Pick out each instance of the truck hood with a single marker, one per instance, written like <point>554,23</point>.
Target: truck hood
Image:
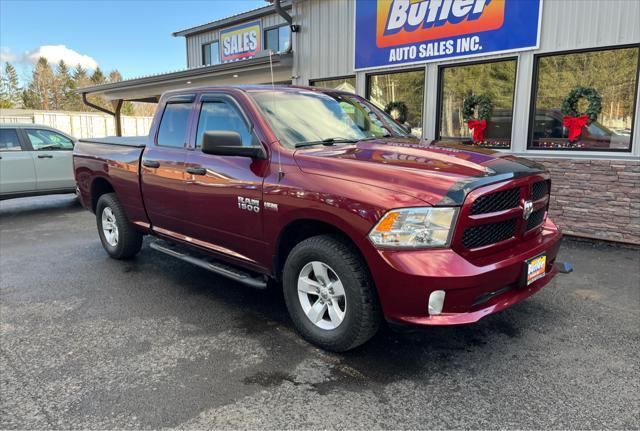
<point>439,173</point>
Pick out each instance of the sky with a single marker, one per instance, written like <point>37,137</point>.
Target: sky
<point>131,36</point>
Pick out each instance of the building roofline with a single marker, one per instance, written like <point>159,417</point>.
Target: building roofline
<point>186,73</point>
<point>224,22</point>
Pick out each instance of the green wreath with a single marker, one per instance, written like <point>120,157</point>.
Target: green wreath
<point>570,103</point>
<point>482,102</point>
<point>400,107</point>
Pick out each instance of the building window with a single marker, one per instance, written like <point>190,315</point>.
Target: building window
<point>406,89</point>
<point>277,39</point>
<point>497,81</point>
<point>343,84</point>
<point>210,53</point>
<point>612,73</point>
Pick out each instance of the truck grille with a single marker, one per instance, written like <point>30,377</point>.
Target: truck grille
<point>539,190</point>
<point>536,218</point>
<point>504,200</point>
<point>497,216</point>
<point>479,236</point>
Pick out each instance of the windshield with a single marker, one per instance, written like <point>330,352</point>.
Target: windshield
<point>310,117</point>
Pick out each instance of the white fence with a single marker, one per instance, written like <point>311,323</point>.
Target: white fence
<point>79,124</point>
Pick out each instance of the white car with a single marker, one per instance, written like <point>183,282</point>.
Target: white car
<point>35,160</point>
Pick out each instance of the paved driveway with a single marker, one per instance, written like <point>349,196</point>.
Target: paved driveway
<point>90,342</point>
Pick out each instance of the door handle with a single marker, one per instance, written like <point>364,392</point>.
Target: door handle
<point>45,156</point>
<point>151,163</point>
<point>197,171</point>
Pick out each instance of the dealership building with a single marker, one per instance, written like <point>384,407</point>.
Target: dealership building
<point>551,80</point>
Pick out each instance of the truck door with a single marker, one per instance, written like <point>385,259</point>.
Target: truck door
<point>225,192</point>
<point>163,164</point>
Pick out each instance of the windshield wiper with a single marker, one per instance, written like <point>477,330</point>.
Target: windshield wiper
<point>327,141</point>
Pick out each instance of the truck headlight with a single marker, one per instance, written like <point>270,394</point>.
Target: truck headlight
<point>414,228</point>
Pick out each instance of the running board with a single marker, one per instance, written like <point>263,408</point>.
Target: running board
<point>258,282</point>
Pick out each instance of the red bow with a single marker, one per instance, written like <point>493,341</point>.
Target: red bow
<point>478,127</point>
<point>575,125</point>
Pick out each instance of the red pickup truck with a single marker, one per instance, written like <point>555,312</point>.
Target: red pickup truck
<point>322,192</point>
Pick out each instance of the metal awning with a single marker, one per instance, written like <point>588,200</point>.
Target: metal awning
<point>246,72</point>
<point>255,70</point>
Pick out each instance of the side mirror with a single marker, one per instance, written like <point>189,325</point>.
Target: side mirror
<point>227,143</point>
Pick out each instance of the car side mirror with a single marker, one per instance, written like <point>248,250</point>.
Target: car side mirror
<point>228,143</point>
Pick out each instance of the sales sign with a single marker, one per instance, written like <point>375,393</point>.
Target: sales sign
<point>394,32</point>
<point>240,42</point>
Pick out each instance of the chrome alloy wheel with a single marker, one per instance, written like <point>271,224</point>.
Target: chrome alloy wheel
<point>321,295</point>
<point>109,227</point>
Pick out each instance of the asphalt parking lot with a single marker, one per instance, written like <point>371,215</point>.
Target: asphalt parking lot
<point>90,342</point>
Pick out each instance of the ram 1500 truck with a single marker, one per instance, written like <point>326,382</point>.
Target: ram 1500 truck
<point>323,193</point>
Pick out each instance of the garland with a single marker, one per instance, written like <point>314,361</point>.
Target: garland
<point>575,120</point>
<point>400,107</point>
<point>484,108</point>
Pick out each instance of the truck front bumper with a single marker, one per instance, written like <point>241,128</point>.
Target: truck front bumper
<point>405,280</point>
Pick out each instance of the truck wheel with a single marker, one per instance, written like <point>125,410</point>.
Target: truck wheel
<point>330,295</point>
<point>119,238</point>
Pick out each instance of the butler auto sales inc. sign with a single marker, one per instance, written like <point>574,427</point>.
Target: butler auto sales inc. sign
<point>394,32</point>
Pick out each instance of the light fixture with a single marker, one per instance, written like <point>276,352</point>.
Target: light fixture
<point>418,227</point>
<point>235,75</point>
<point>188,82</point>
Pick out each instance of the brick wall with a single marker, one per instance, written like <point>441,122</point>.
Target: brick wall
<point>596,198</point>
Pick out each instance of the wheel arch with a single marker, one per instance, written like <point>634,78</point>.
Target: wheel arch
<point>99,187</point>
<point>300,229</point>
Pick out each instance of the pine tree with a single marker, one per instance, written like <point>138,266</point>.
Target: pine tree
<point>9,87</point>
<point>5,101</point>
<point>80,79</point>
<point>13,85</point>
<point>98,77</point>
<point>39,92</point>
<point>65,87</point>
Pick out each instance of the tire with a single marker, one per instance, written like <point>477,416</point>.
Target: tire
<point>126,241</point>
<point>359,305</point>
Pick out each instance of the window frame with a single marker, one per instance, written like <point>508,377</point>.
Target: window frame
<point>204,47</point>
<point>23,144</point>
<point>186,98</point>
<point>423,69</point>
<point>26,131</point>
<point>275,27</point>
<point>313,82</point>
<point>441,67</point>
<point>534,90</point>
<point>208,97</point>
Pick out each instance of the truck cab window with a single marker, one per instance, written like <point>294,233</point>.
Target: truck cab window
<point>173,126</point>
<point>220,115</point>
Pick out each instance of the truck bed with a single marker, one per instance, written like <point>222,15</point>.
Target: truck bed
<point>126,141</point>
<point>114,161</point>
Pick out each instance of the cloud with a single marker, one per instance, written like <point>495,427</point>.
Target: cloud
<point>55,53</point>
<point>6,55</point>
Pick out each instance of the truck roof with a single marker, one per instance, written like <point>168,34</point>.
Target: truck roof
<point>254,88</point>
